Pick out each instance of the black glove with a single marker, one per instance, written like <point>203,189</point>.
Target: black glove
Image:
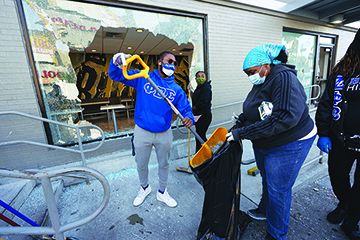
<point>238,120</point>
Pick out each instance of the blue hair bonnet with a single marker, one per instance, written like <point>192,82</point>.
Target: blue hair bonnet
<point>263,54</point>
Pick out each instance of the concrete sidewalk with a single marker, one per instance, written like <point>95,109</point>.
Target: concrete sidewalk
<point>312,200</point>
<point>153,220</point>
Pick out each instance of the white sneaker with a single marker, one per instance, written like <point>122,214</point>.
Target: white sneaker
<point>166,198</point>
<point>141,195</point>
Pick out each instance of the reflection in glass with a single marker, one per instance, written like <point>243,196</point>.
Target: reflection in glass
<point>72,64</point>
<point>301,51</point>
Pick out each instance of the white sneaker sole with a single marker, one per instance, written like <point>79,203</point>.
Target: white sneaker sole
<point>256,217</point>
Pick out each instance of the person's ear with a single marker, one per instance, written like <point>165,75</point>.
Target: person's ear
<point>267,69</point>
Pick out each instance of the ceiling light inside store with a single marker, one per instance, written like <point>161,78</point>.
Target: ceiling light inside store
<point>174,49</point>
<point>114,35</point>
<point>337,19</point>
<point>141,51</point>
<point>94,50</point>
<point>129,47</point>
<point>139,30</point>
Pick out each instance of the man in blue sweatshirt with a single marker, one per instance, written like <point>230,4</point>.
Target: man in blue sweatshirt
<point>153,120</point>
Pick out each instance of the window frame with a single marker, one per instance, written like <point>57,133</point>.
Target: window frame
<point>141,7</point>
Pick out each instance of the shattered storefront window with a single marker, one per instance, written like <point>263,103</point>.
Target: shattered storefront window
<point>301,51</point>
<point>72,44</point>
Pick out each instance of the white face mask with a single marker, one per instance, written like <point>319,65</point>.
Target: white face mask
<point>168,69</point>
<point>256,79</point>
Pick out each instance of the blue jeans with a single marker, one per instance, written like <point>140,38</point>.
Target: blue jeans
<point>280,167</point>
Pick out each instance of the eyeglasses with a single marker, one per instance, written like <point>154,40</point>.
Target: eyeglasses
<point>172,62</point>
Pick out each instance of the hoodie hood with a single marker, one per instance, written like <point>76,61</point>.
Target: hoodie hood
<point>204,85</point>
<point>282,67</point>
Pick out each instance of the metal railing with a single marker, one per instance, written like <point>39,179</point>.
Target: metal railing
<point>311,90</point>
<point>250,161</point>
<point>44,176</point>
<point>81,150</point>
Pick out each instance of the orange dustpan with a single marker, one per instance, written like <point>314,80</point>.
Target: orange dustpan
<point>211,145</point>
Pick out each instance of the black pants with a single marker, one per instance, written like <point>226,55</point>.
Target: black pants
<point>201,127</point>
<point>340,163</point>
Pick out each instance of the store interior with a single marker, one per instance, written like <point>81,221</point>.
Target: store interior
<point>101,98</point>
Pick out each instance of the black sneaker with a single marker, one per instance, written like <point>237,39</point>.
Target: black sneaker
<point>269,237</point>
<point>354,235</point>
<point>257,214</point>
<point>351,229</point>
<point>337,216</point>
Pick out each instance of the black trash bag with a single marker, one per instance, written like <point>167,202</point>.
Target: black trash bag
<point>220,177</point>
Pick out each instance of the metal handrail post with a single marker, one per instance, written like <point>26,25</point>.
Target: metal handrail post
<point>78,134</point>
<point>322,154</point>
<point>51,203</point>
<point>311,87</point>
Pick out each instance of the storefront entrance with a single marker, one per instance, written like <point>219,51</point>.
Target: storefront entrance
<point>312,55</point>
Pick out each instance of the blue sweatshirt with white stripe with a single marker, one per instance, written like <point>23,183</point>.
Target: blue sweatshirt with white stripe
<point>152,112</point>
<point>290,119</point>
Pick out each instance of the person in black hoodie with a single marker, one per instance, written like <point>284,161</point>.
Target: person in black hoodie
<point>337,119</point>
<point>276,119</point>
<point>201,106</point>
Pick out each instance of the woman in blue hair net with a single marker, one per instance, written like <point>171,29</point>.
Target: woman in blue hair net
<point>276,119</point>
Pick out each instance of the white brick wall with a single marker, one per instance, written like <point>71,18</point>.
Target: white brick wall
<point>17,88</point>
<point>232,31</point>
<point>17,92</point>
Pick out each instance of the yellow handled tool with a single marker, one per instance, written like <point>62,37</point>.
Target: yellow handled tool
<point>143,73</point>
